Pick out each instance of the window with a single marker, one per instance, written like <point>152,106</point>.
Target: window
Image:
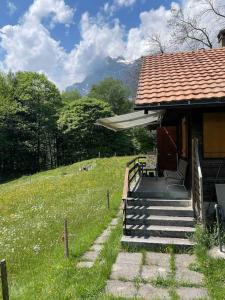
<point>214,135</point>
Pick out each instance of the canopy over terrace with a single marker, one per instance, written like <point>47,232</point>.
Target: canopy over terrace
<point>131,120</point>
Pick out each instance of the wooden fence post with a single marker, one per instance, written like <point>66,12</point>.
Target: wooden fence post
<point>66,242</point>
<point>108,198</point>
<point>5,288</point>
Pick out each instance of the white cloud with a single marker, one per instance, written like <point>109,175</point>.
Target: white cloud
<point>98,40</point>
<point>11,7</point>
<point>124,2</point>
<point>30,46</point>
<point>117,4</point>
<point>56,9</point>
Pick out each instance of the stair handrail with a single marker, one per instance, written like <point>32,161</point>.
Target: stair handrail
<point>132,170</point>
<point>197,183</point>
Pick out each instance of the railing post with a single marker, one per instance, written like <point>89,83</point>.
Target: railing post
<point>4,279</point>
<point>218,225</point>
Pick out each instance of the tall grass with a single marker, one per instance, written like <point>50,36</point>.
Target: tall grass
<point>212,268</point>
<point>32,212</point>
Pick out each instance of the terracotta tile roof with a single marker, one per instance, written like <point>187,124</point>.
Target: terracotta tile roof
<point>196,75</point>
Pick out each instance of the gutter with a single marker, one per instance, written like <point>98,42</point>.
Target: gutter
<point>181,104</point>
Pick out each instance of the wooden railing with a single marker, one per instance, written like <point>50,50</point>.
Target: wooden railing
<point>197,185</point>
<point>132,175</point>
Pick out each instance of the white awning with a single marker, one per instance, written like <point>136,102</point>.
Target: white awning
<point>131,120</point>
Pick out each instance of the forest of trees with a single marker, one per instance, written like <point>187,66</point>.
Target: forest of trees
<point>40,128</point>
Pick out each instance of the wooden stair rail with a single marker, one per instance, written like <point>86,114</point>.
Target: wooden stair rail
<point>197,184</point>
<point>131,172</point>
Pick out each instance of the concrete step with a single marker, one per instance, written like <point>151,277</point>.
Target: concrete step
<point>155,242</point>
<point>159,231</point>
<point>160,220</point>
<point>181,194</point>
<point>160,211</point>
<point>159,202</point>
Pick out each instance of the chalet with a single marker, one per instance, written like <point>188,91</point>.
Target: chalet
<point>182,97</point>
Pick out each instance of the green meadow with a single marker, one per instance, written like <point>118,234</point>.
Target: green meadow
<point>33,209</point>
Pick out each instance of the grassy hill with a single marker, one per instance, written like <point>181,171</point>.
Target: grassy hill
<point>33,209</point>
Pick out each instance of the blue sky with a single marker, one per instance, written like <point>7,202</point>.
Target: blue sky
<point>65,39</point>
<point>128,16</point>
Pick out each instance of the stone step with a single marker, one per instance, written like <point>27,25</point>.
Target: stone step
<point>155,242</point>
<point>159,231</point>
<point>160,211</point>
<point>160,220</point>
<point>158,202</point>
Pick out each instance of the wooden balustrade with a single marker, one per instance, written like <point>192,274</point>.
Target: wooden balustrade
<point>197,185</point>
<point>132,171</point>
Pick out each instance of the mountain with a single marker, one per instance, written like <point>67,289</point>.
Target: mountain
<point>120,69</point>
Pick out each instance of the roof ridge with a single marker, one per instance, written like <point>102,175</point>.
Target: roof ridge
<point>184,52</point>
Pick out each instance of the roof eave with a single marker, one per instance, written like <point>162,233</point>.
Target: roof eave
<point>213,102</point>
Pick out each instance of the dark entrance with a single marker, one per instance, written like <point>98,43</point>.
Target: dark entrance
<point>167,148</point>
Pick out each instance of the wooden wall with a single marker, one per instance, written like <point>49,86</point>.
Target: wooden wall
<point>213,169</point>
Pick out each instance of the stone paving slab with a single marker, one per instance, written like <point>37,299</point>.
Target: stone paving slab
<point>149,292</point>
<point>158,259</point>
<point>114,222</point>
<point>106,232</point>
<point>152,272</point>
<point>101,239</point>
<point>90,255</point>
<point>120,288</point>
<point>125,271</point>
<point>129,258</point>
<point>96,247</point>
<point>192,293</point>
<point>85,264</point>
<point>184,260</point>
<point>186,275</point>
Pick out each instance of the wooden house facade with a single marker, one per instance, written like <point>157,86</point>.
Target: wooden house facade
<point>182,97</point>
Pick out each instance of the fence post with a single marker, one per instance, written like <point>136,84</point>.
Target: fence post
<point>108,198</point>
<point>5,288</point>
<point>66,242</point>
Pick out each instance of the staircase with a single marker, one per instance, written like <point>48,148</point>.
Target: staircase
<point>153,215</point>
<point>158,222</point>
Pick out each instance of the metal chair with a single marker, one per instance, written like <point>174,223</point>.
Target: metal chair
<point>178,177</point>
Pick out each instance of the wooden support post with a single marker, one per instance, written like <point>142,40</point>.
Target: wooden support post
<point>5,288</point>
<point>66,242</point>
<point>108,198</point>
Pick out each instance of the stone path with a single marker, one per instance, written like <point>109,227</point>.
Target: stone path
<point>89,257</point>
<point>136,275</point>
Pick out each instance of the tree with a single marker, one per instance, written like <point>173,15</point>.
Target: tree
<point>8,110</point>
<point>142,140</point>
<point>113,92</point>
<point>28,122</point>
<point>190,29</point>
<point>212,7</point>
<point>80,136</point>
<point>82,139</point>
<point>156,44</point>
<point>40,100</point>
<point>69,96</point>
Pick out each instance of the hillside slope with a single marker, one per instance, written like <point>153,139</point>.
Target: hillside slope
<point>32,214</point>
